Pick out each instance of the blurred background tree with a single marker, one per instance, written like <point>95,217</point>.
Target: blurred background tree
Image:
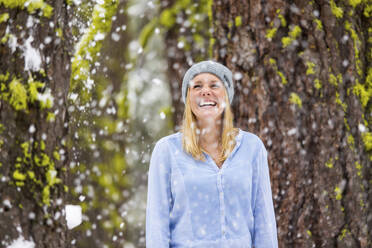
<point>113,122</point>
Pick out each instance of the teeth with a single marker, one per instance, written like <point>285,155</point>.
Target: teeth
<point>207,104</point>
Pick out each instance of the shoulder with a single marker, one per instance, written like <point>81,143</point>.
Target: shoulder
<point>168,141</point>
<point>251,138</point>
<point>252,141</point>
<point>174,137</point>
<point>162,153</point>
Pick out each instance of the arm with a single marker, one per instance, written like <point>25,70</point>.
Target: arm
<point>265,233</point>
<point>158,198</point>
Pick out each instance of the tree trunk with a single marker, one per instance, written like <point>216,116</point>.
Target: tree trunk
<point>34,78</point>
<point>302,85</point>
<point>99,147</point>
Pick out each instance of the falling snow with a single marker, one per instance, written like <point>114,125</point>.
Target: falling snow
<point>21,243</point>
<point>32,56</point>
<point>111,135</point>
<point>73,216</point>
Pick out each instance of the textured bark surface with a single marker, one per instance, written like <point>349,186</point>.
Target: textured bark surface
<point>298,94</point>
<point>22,210</point>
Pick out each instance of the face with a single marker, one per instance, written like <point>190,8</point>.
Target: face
<point>207,97</point>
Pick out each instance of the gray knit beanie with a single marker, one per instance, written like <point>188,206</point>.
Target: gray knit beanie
<point>221,71</point>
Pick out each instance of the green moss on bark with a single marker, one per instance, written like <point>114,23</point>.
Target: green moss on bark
<point>37,171</point>
<point>31,6</point>
<point>19,95</point>
<point>336,11</point>
<point>295,99</point>
<point>4,17</point>
<point>293,34</point>
<point>88,48</point>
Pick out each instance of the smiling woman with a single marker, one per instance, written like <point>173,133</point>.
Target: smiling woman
<point>206,107</point>
<point>209,185</point>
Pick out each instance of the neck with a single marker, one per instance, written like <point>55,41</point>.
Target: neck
<point>210,132</point>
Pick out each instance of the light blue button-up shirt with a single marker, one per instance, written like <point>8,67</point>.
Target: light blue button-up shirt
<point>191,203</point>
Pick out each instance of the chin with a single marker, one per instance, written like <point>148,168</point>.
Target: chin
<point>211,116</point>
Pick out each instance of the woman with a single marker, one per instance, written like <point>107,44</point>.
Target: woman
<point>209,184</point>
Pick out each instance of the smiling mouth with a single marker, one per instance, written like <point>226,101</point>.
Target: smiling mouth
<point>207,104</point>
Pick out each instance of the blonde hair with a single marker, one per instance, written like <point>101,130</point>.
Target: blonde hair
<point>190,137</point>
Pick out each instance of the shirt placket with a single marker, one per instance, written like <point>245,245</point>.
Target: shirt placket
<point>222,203</point>
<point>220,190</point>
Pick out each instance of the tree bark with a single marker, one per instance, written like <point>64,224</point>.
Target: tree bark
<point>35,75</point>
<point>301,84</point>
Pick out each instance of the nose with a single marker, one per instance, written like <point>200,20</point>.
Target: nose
<point>205,91</point>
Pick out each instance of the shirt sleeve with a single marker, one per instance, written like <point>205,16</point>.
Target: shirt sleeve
<point>158,198</point>
<point>265,232</point>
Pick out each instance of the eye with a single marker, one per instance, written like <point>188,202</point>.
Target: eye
<point>196,86</point>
